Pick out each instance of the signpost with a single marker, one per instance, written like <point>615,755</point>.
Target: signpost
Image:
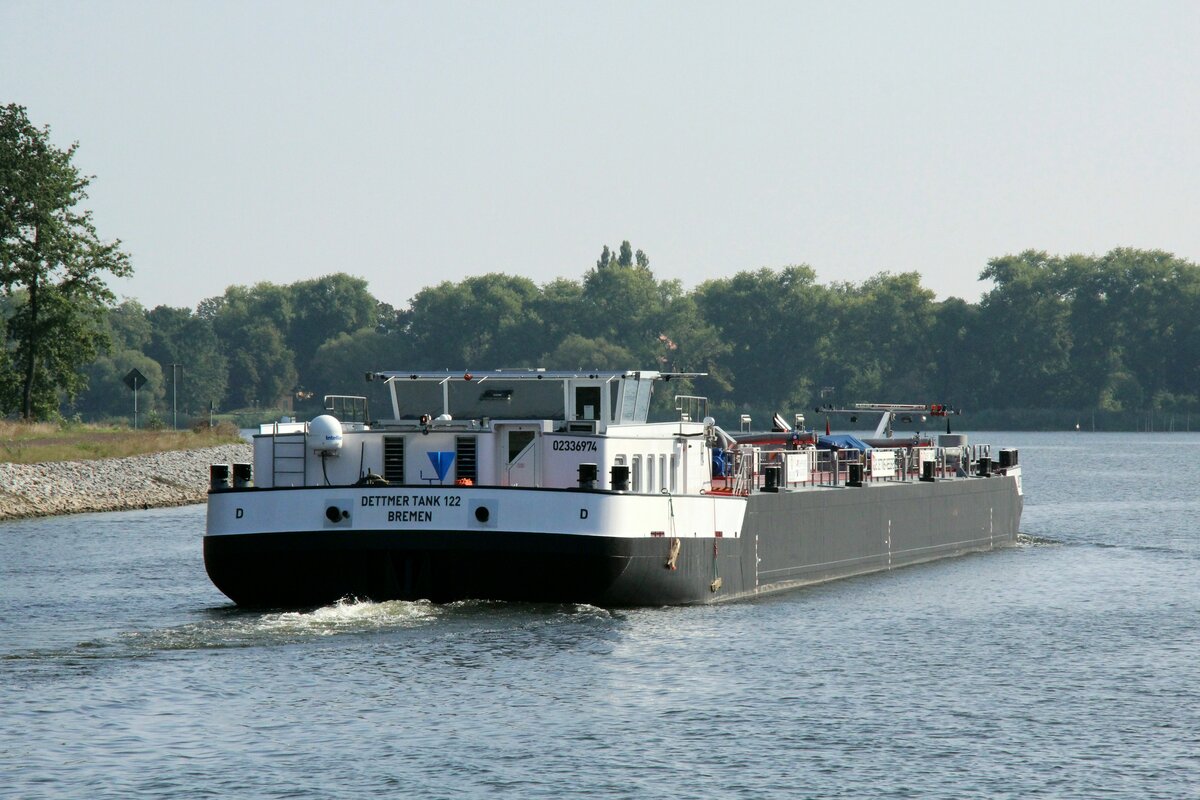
<point>135,380</point>
<point>174,395</point>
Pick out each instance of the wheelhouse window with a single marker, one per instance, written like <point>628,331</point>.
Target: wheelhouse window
<point>587,402</point>
<point>518,441</point>
<point>635,399</point>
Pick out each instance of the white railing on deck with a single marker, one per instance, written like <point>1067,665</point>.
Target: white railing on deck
<point>832,467</point>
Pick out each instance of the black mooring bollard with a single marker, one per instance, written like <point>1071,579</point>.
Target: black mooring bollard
<point>619,477</point>
<point>218,477</point>
<point>587,476</point>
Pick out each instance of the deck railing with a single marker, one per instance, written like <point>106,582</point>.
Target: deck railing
<point>750,466</point>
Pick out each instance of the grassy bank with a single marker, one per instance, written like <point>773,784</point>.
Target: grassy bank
<point>34,443</point>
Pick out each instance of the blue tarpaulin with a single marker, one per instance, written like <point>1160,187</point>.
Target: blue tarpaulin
<point>842,441</point>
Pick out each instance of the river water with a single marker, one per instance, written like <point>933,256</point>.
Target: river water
<point>1067,667</point>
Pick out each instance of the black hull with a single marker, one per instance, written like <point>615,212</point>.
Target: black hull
<point>311,569</point>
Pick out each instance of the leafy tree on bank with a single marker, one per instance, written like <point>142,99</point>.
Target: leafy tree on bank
<point>51,266</point>
<point>1054,335</point>
<point>180,336</point>
<point>261,375</point>
<point>323,309</point>
<point>1152,301</point>
<point>151,341</point>
<point>579,352</point>
<point>958,374</point>
<point>129,325</point>
<point>777,328</point>
<point>623,308</point>
<point>1028,338</point>
<point>269,335</point>
<point>623,303</point>
<point>108,396</point>
<point>484,322</point>
<point>881,345</point>
<point>1114,333</point>
<point>128,330</point>
<point>252,326</point>
<point>339,366</point>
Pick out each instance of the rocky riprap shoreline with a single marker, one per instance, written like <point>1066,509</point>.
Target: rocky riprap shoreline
<point>175,478</point>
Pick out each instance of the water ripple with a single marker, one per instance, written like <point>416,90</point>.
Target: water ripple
<point>1066,667</point>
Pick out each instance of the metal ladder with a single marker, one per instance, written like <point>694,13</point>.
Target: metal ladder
<point>289,458</point>
<point>742,477</point>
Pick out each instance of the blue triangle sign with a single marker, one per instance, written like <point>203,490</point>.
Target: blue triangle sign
<point>441,460</point>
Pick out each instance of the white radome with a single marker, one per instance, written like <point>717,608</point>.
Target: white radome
<point>325,435</point>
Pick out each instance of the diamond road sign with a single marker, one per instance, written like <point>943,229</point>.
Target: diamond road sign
<point>135,380</point>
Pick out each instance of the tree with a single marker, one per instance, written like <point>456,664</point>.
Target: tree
<point>323,309</point>
<point>578,352</point>
<point>180,337</point>
<point>776,329</point>
<point>261,374</point>
<point>51,260</point>
<point>958,377</point>
<point>623,303</point>
<point>884,338</point>
<point>558,307</point>
<point>1025,318</point>
<point>483,322</point>
<point>340,364</point>
<point>1147,291</point>
<point>252,325</point>
<point>129,326</point>
<point>128,330</point>
<point>108,396</point>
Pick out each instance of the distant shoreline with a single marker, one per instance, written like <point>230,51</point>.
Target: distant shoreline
<point>154,480</point>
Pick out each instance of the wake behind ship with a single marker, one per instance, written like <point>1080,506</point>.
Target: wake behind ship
<point>554,487</point>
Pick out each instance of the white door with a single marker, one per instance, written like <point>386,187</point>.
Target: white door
<point>519,448</point>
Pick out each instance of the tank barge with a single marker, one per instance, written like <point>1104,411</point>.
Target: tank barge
<point>545,486</point>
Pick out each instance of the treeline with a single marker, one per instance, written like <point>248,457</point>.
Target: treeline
<point>1056,338</point>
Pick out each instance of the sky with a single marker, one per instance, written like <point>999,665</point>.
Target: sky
<point>411,143</point>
